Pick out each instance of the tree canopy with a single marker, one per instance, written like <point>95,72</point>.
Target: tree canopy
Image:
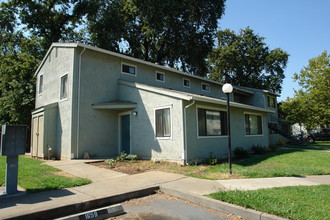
<point>168,32</point>
<point>244,59</point>
<point>313,99</point>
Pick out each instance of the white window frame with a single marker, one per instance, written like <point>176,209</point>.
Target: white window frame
<point>171,121</point>
<point>262,126</point>
<point>271,97</point>
<point>41,84</point>
<point>156,74</point>
<point>184,81</point>
<point>130,65</point>
<point>206,84</point>
<point>67,87</point>
<point>197,125</point>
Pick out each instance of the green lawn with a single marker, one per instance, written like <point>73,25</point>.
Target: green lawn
<point>297,202</point>
<point>290,162</point>
<point>318,145</point>
<point>34,176</point>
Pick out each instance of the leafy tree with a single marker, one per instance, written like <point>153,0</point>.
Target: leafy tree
<point>174,33</point>
<point>244,59</point>
<point>297,110</point>
<point>315,93</point>
<point>18,61</point>
<point>49,20</point>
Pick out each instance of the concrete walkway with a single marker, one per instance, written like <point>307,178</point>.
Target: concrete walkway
<point>110,187</point>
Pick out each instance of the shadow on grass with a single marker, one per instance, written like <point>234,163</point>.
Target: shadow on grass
<point>256,159</point>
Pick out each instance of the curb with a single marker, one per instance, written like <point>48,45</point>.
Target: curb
<point>221,206</point>
<point>102,213</point>
<point>84,206</point>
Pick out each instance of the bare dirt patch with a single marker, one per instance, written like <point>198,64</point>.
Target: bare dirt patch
<point>141,166</point>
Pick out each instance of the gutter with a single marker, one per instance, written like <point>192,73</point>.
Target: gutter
<point>185,154</point>
<point>78,104</point>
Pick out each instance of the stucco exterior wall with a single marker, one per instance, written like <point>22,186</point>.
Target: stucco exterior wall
<point>199,148</point>
<point>95,82</point>
<point>147,75</point>
<point>143,139</point>
<point>58,63</point>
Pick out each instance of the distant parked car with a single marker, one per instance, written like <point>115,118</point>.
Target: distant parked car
<point>322,134</point>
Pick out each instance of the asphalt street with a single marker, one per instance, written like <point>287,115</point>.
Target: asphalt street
<point>166,207</point>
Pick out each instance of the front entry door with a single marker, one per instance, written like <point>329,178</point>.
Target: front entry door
<point>125,134</point>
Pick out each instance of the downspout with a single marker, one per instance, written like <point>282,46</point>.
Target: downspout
<point>185,154</point>
<point>78,105</point>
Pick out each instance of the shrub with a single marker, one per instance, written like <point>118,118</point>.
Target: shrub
<point>111,162</point>
<point>258,149</point>
<point>123,156</point>
<point>240,152</point>
<point>281,142</point>
<point>272,147</point>
<point>131,157</point>
<point>212,160</point>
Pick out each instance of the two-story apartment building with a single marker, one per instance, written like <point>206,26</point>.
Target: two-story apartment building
<point>93,100</point>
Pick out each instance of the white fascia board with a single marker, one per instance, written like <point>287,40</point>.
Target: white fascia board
<point>190,97</point>
<point>271,93</point>
<point>233,104</point>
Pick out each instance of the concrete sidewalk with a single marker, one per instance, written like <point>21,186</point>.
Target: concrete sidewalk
<point>110,187</point>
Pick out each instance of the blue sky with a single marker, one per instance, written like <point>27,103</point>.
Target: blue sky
<point>299,27</point>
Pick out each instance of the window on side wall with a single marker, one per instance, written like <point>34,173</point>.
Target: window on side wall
<point>253,124</point>
<point>163,122</point>
<point>64,87</point>
<point>211,122</point>
<point>128,69</point>
<point>41,84</point>
<point>271,101</point>
<point>205,87</point>
<point>160,77</point>
<point>186,83</point>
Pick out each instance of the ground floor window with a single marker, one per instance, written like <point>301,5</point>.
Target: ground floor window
<point>211,122</point>
<point>163,122</point>
<point>253,124</point>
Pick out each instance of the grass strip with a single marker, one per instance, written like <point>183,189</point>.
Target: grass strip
<point>295,202</point>
<point>291,162</point>
<point>35,176</point>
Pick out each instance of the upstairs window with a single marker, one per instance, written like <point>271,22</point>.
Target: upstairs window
<point>211,123</point>
<point>253,124</point>
<point>186,83</point>
<point>205,87</point>
<point>163,122</point>
<point>160,77</point>
<point>41,84</point>
<point>128,69</point>
<point>271,101</point>
<point>64,87</point>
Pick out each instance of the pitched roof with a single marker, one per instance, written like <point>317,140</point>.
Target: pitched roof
<point>190,96</point>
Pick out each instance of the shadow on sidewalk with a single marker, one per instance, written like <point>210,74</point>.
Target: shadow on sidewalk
<point>33,198</point>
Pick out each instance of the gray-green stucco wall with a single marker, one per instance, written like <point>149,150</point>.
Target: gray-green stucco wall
<point>95,82</point>
<point>58,63</point>
<point>199,148</point>
<point>144,142</point>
